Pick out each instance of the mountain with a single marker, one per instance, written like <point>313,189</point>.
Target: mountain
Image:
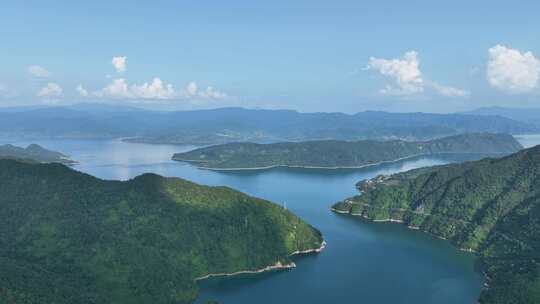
<point>225,125</point>
<point>491,207</point>
<point>67,237</point>
<point>34,153</point>
<point>527,115</point>
<point>335,154</point>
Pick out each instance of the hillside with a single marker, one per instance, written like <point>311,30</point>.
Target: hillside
<point>34,153</point>
<point>338,154</point>
<point>67,237</point>
<point>491,207</point>
<point>226,125</point>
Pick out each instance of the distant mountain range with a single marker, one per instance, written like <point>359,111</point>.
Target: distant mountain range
<point>340,154</point>
<point>530,115</point>
<point>225,125</point>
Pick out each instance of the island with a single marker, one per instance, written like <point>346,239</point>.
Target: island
<point>68,237</point>
<point>332,154</point>
<point>34,153</point>
<point>490,207</point>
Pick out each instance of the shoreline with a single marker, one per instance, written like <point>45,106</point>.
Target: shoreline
<point>401,222</point>
<point>277,266</point>
<point>307,251</point>
<point>196,162</point>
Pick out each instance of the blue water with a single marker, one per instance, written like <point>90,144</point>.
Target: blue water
<point>364,262</point>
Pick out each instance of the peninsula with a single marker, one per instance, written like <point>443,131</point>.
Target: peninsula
<point>490,207</point>
<point>68,237</point>
<point>331,154</point>
<point>34,153</point>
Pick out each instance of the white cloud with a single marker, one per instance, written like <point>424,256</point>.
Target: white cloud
<point>407,78</point>
<point>82,91</point>
<point>118,88</point>
<point>50,90</point>
<point>511,70</point>
<point>405,73</point>
<point>119,63</point>
<point>212,93</point>
<point>156,90</point>
<point>448,91</point>
<point>38,71</point>
<point>192,88</point>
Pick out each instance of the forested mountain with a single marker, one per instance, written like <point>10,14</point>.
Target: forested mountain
<point>491,206</point>
<point>34,153</point>
<point>236,124</point>
<point>333,153</point>
<point>67,237</point>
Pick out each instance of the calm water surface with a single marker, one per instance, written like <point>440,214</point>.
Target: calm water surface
<point>363,263</point>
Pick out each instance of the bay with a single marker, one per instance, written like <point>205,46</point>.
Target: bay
<point>364,262</point>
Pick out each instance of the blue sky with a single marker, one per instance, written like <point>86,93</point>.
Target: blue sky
<point>308,55</point>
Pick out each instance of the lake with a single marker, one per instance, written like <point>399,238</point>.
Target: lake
<point>364,262</point>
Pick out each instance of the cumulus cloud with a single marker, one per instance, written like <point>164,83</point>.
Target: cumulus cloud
<point>192,90</point>
<point>38,71</point>
<point>404,72</point>
<point>50,90</point>
<point>82,91</point>
<point>118,88</point>
<point>119,63</point>
<point>156,90</point>
<point>407,78</point>
<point>212,93</point>
<point>448,91</point>
<point>511,70</point>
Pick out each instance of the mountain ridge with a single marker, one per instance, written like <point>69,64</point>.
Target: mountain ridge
<point>225,125</point>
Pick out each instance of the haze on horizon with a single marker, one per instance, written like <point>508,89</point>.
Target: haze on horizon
<point>304,55</point>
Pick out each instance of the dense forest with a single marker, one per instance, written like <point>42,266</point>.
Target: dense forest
<point>333,153</point>
<point>491,207</point>
<point>35,153</point>
<point>68,237</point>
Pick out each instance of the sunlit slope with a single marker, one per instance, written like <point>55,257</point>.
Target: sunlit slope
<point>67,237</point>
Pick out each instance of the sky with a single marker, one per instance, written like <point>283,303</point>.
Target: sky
<point>308,55</point>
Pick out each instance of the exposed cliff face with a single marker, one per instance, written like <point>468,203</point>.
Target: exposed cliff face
<point>491,206</point>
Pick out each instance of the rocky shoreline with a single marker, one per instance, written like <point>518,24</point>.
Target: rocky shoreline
<point>277,266</point>
<point>194,162</point>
